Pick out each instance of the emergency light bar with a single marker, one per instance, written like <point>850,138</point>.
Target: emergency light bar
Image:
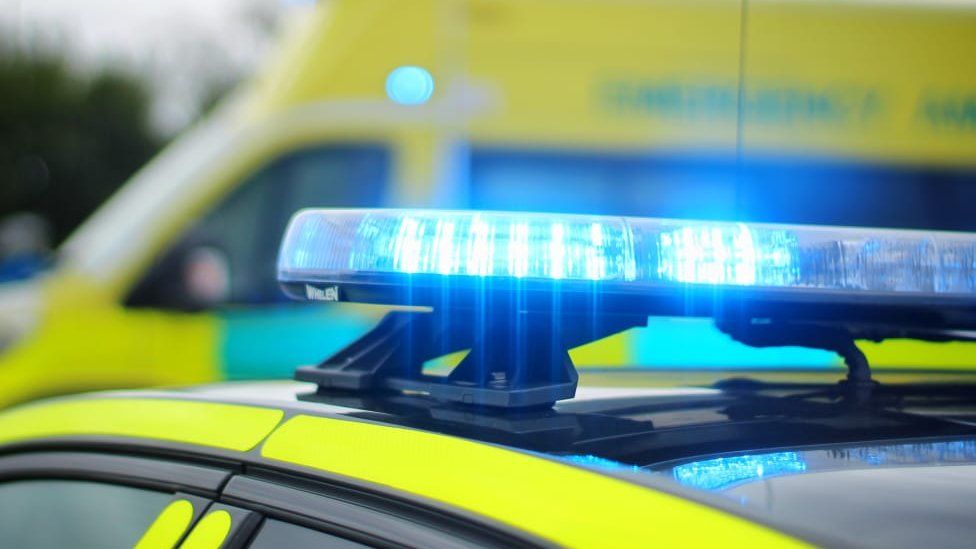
<point>523,288</point>
<point>328,251</point>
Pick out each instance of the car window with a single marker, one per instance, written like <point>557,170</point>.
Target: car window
<point>231,251</point>
<point>77,514</point>
<point>718,187</point>
<point>275,534</point>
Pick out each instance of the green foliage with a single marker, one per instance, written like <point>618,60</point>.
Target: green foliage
<point>67,142</point>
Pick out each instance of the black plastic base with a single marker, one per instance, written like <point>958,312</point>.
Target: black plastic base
<point>515,359</point>
<point>543,395</point>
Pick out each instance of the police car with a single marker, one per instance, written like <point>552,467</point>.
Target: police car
<point>460,420</point>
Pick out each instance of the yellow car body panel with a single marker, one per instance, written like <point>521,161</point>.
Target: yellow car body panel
<point>565,504</point>
<point>210,533</point>
<point>88,342</point>
<point>903,72</point>
<point>210,424</point>
<point>568,505</point>
<point>850,79</point>
<point>168,528</point>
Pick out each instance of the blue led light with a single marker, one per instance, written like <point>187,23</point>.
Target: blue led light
<point>409,85</point>
<point>488,245</point>
<point>721,473</point>
<point>727,254</point>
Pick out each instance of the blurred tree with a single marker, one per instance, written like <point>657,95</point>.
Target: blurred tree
<point>67,141</point>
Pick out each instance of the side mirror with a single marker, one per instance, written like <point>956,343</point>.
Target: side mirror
<point>190,278</point>
<point>206,276</point>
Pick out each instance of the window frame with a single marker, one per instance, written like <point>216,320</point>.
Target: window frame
<point>138,472</point>
<point>347,510</point>
<point>357,515</point>
<point>198,484</point>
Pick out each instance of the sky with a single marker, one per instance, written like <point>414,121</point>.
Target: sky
<point>185,48</point>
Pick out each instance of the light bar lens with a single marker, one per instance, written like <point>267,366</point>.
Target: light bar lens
<point>323,245</point>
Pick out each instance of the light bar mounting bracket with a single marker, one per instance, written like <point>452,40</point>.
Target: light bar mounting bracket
<point>772,333</point>
<point>515,359</point>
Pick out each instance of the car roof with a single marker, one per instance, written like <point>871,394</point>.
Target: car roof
<point>794,455</point>
<point>806,458</point>
<point>641,425</point>
<point>523,493</point>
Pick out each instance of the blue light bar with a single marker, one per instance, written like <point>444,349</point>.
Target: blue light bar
<point>626,254</point>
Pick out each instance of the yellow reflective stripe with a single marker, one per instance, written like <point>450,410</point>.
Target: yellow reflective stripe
<point>169,526</point>
<point>225,426</point>
<point>565,504</point>
<point>210,532</point>
<point>908,353</point>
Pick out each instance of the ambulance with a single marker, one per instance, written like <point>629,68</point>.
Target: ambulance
<point>842,112</point>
